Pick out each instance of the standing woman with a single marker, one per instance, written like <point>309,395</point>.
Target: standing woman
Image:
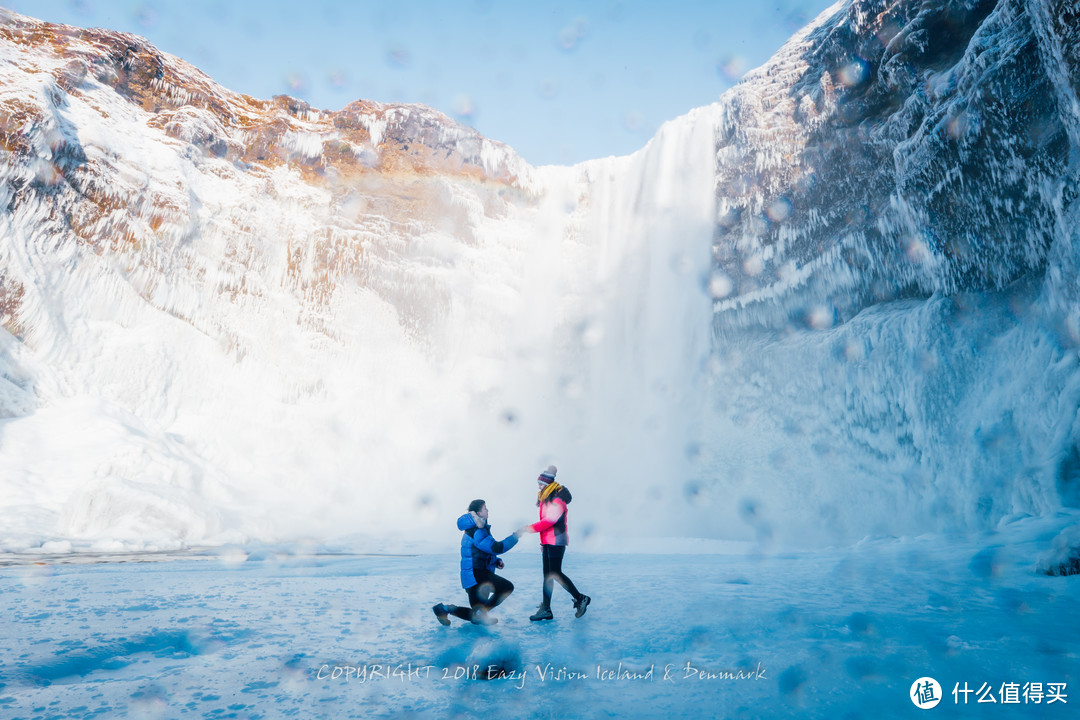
<point>552,499</point>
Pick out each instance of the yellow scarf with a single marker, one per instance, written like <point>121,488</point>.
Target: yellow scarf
<point>552,488</point>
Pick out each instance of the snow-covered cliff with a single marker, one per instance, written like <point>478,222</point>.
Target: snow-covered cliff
<point>840,301</point>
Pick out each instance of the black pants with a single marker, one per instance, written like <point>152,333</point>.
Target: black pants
<point>552,556</point>
<point>489,591</point>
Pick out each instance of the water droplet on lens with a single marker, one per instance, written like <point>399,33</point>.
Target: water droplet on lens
<point>731,68</point>
<point>821,317</point>
<point>399,56</point>
<point>753,265</point>
<point>720,285</point>
<point>748,510</point>
<point>853,73</point>
<point>779,210</point>
<point>572,35</point>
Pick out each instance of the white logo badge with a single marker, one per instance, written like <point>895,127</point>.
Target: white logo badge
<point>925,693</point>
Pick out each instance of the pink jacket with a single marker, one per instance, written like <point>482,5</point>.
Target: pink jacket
<point>552,524</point>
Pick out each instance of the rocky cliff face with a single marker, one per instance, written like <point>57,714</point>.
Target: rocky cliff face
<point>897,150</point>
<point>370,167</point>
<point>177,251</point>
<point>894,268</point>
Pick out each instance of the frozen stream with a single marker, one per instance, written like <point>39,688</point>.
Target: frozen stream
<point>831,633</point>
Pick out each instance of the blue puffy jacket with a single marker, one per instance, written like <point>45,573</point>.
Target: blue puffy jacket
<point>479,550</point>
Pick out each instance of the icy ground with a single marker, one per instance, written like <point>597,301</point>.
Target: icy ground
<point>838,633</point>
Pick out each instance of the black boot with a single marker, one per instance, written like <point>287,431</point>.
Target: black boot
<point>580,604</point>
<point>441,613</point>
<point>543,612</point>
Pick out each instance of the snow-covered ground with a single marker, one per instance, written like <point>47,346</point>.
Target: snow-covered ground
<point>829,633</point>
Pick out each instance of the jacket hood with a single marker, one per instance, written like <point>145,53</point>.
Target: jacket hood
<point>465,522</point>
<point>564,495</point>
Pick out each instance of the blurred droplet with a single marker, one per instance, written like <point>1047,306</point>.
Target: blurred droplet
<point>753,265</point>
<point>702,39</point>
<point>714,365</point>
<point>860,624</point>
<point>853,73</point>
<point>232,556</point>
<point>571,387</point>
<point>720,285</point>
<point>337,79</point>
<point>854,351</point>
<point>367,156</point>
<point>35,574</point>
<point>693,451</point>
<point>695,493</point>
<point>1012,600</point>
<point>791,680</point>
<point>857,215</point>
<point>146,16</point>
<point>764,533</point>
<point>927,361</point>
<point>985,564</point>
<point>632,121</point>
<point>682,264</point>
<point>572,35</point>
<point>731,67</point>
<point>464,107</point>
<point>748,510</point>
<point>591,333</point>
<point>779,210</point>
<point>149,703</point>
<point>916,249</point>
<point>496,660</point>
<point>758,224</point>
<point>83,7</point>
<point>47,174</point>
<point>263,556</point>
<point>399,56</point>
<point>1070,329</point>
<point>509,417</point>
<point>296,83</point>
<point>887,32</point>
<point>821,317</point>
<point>956,127</point>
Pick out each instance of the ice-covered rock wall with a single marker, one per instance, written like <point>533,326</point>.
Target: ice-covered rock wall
<point>895,273</point>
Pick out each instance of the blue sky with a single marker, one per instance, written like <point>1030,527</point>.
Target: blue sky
<point>560,82</point>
